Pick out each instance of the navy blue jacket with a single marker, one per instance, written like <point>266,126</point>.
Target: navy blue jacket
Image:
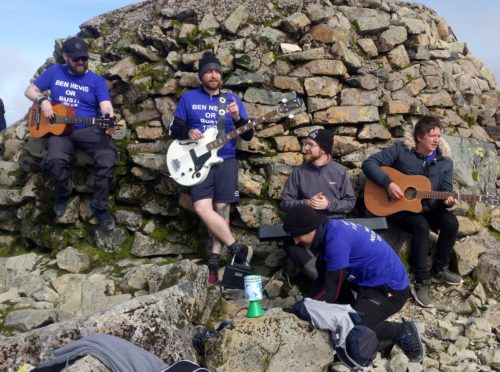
<point>403,157</point>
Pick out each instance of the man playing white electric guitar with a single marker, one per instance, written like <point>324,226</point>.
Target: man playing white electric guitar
<point>198,115</point>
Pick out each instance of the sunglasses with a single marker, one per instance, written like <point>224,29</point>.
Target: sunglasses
<point>84,59</point>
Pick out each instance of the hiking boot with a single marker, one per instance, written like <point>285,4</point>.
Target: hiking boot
<point>213,268</point>
<point>410,342</point>
<point>422,293</point>
<point>60,205</point>
<point>445,276</point>
<point>242,253</point>
<point>106,220</point>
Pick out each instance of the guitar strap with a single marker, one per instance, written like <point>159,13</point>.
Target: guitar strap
<point>221,120</point>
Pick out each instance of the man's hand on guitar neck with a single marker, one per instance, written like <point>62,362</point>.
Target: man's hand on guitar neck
<point>394,191</point>
<point>450,201</point>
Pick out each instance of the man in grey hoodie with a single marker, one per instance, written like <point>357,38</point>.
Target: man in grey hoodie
<point>427,154</point>
<point>320,183</point>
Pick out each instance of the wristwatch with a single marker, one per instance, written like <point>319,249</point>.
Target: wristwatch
<point>41,99</point>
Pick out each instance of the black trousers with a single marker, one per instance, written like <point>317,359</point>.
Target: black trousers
<point>419,226</point>
<point>375,305</point>
<point>102,149</point>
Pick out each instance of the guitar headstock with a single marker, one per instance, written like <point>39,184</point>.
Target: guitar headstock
<point>490,199</point>
<point>292,104</point>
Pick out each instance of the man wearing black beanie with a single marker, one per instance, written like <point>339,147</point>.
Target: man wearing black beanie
<point>198,110</point>
<point>352,257</point>
<point>320,183</point>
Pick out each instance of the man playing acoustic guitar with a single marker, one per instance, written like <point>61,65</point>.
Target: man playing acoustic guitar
<point>427,154</point>
<point>197,111</point>
<point>74,85</point>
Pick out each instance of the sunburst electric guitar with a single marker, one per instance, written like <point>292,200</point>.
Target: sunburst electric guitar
<point>62,122</point>
<point>414,188</point>
<point>189,161</point>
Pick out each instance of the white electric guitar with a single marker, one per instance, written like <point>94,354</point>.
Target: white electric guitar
<point>189,161</point>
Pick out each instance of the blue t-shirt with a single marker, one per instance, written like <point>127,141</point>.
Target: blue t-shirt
<point>369,261</point>
<point>200,111</point>
<point>82,92</point>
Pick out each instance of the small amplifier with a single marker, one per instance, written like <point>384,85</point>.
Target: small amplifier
<point>234,274</point>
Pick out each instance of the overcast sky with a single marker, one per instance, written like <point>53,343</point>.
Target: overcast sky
<point>28,29</point>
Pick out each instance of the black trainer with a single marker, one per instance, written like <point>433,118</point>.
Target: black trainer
<point>213,268</point>
<point>106,220</point>
<point>60,205</point>
<point>411,343</point>
<point>242,253</point>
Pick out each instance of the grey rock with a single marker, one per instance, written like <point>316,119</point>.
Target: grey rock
<point>73,261</point>
<point>161,206</point>
<point>110,241</point>
<point>130,219</point>
<point>359,97</point>
<point>391,37</point>
<point>145,246</point>
<point>273,288</point>
<point>295,22</point>
<point>86,364</point>
<point>132,321</point>
<point>10,174</point>
<point>242,78</point>
<point>276,350</point>
<point>235,20</point>
<point>25,320</point>
<point>307,55</point>
<point>372,25</point>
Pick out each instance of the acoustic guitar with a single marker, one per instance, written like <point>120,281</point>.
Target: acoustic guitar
<point>62,122</point>
<point>189,161</point>
<point>414,188</point>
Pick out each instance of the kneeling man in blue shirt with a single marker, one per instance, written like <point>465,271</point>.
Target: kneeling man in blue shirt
<point>353,259</point>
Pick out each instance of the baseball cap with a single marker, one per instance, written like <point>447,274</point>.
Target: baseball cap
<point>75,48</point>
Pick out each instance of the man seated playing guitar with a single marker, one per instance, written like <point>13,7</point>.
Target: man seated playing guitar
<point>424,153</point>
<point>74,85</point>
<point>197,111</point>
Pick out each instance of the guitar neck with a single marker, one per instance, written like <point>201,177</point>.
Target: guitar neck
<point>444,195</point>
<point>219,142</point>
<point>74,120</point>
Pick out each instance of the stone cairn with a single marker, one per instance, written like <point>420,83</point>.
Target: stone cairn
<point>367,69</point>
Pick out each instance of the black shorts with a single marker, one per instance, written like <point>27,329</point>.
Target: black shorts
<point>221,184</point>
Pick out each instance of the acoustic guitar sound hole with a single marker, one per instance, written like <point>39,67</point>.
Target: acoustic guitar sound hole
<point>410,193</point>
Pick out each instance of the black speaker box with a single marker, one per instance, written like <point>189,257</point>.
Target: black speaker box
<point>234,274</point>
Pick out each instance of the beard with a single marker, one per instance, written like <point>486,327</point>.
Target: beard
<point>212,84</point>
<point>78,68</point>
<point>311,157</point>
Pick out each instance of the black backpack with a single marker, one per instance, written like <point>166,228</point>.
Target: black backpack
<point>361,343</point>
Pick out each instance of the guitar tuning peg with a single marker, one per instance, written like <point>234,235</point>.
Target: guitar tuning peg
<point>291,116</point>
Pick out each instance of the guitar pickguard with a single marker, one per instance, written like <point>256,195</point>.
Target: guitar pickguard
<point>189,161</point>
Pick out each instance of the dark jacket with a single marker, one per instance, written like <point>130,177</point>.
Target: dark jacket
<point>403,157</point>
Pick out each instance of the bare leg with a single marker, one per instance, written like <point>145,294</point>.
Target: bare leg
<point>216,221</point>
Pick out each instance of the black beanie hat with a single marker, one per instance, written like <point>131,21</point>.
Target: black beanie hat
<point>301,219</point>
<point>208,62</point>
<point>324,138</point>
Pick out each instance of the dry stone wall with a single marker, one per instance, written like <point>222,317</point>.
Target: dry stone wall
<point>366,69</point>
